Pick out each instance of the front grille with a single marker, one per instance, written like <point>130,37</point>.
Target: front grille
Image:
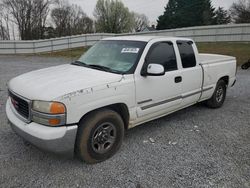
<point>21,105</point>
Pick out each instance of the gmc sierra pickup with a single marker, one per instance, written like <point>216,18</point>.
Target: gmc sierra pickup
<point>83,108</point>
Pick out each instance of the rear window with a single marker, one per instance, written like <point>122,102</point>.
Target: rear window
<point>187,54</point>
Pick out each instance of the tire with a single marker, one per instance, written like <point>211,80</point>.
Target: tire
<point>245,66</point>
<point>99,136</point>
<point>219,96</point>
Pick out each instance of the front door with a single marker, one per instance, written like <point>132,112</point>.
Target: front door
<point>158,95</point>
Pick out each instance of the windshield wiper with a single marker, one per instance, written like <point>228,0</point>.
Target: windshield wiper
<point>78,63</point>
<point>100,67</point>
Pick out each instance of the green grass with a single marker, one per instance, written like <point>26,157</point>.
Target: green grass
<point>74,53</point>
<point>239,50</point>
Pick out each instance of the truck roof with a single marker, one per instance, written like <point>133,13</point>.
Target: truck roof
<point>144,38</point>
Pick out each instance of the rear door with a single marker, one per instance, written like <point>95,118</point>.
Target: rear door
<point>191,73</point>
<point>157,95</point>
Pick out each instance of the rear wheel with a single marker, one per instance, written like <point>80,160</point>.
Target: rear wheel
<point>218,98</point>
<point>246,65</point>
<point>99,136</point>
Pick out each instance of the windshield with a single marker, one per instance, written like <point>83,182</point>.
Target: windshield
<point>113,56</point>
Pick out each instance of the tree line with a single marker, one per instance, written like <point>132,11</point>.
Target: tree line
<point>40,19</point>
<point>186,13</point>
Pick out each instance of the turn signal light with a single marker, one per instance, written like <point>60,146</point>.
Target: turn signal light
<point>57,108</point>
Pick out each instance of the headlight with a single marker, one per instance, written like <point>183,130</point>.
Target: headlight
<point>48,113</point>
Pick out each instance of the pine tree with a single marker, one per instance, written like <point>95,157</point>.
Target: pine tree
<point>222,16</point>
<point>186,13</point>
<point>168,19</point>
<point>208,13</point>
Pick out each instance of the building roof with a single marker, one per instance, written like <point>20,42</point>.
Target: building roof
<point>148,29</point>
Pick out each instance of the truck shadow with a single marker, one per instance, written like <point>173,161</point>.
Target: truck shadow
<point>162,122</point>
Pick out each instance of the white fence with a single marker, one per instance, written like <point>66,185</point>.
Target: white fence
<point>218,33</point>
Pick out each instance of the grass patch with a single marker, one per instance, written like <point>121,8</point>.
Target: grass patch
<point>74,53</point>
<point>239,50</point>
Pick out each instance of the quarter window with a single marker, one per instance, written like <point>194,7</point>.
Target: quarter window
<point>187,54</point>
<point>163,53</point>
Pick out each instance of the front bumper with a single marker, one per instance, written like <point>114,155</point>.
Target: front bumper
<point>60,140</point>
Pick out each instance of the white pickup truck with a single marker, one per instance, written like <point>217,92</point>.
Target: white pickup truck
<point>84,107</point>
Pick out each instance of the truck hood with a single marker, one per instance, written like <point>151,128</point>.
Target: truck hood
<point>50,83</point>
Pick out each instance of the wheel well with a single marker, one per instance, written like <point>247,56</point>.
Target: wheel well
<point>225,79</point>
<point>120,108</point>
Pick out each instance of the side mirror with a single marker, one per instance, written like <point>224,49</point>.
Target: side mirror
<point>155,70</point>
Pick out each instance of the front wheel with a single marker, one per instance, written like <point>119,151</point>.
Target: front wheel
<point>99,136</point>
<point>218,98</point>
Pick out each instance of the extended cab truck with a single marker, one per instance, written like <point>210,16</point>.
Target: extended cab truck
<point>85,107</point>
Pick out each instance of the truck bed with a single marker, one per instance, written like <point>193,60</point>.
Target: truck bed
<point>214,58</point>
<point>215,67</point>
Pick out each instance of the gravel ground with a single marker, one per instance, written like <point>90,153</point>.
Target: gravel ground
<point>195,147</point>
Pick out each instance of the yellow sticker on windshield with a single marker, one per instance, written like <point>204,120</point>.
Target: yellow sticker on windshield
<point>130,50</point>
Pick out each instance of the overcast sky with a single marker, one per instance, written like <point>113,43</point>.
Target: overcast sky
<point>151,8</point>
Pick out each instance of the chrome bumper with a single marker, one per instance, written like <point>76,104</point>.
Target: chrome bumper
<point>60,140</point>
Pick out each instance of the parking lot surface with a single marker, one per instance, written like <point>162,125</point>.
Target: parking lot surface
<point>195,147</point>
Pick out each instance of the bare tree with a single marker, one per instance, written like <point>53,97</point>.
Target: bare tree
<point>240,11</point>
<point>3,32</point>
<point>29,15</point>
<point>60,18</point>
<point>140,21</point>
<point>40,13</point>
<point>70,20</point>
<point>4,24</point>
<point>80,22</point>
<point>83,25</point>
<point>113,17</point>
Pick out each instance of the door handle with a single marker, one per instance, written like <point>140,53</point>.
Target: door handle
<point>178,79</point>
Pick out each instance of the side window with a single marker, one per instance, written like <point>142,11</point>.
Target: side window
<point>163,53</point>
<point>187,54</point>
